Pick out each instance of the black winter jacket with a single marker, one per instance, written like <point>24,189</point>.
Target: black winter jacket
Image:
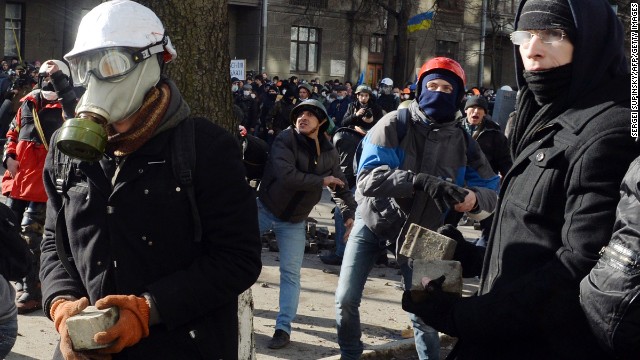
<point>292,182</point>
<point>556,210</point>
<point>351,119</point>
<point>493,143</point>
<point>609,294</point>
<point>136,236</point>
<point>346,141</point>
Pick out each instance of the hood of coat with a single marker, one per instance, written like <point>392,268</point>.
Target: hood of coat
<point>597,54</point>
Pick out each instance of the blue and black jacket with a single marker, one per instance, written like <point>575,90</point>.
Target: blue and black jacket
<point>387,202</point>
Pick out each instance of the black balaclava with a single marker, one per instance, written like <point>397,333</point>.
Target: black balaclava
<point>439,106</point>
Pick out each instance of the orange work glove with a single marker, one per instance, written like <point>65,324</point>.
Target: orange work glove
<point>61,310</point>
<point>132,325</point>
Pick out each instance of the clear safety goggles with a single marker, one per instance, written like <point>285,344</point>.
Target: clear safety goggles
<point>547,36</point>
<point>108,64</point>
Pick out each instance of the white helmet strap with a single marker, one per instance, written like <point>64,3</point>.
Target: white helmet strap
<point>146,52</point>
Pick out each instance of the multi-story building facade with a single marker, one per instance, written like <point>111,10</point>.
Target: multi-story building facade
<point>325,39</point>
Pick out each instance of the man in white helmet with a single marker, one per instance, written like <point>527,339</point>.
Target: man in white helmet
<point>122,229</point>
<point>41,113</point>
<point>387,100</point>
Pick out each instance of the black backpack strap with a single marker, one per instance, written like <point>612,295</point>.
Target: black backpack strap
<point>62,243</point>
<point>62,168</point>
<point>183,159</point>
<point>401,125</point>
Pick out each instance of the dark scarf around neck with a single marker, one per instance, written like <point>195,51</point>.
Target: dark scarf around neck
<point>145,122</point>
<point>541,100</point>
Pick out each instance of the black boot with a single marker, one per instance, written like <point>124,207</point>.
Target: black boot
<point>279,340</point>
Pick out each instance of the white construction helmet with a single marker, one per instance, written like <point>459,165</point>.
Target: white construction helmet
<point>122,23</point>
<point>386,81</point>
<point>61,65</point>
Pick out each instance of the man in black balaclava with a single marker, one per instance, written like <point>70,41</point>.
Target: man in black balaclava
<point>571,148</point>
<point>417,165</point>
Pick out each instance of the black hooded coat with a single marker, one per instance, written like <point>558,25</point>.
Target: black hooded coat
<point>556,209</point>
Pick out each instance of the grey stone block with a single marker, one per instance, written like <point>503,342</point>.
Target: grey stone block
<point>422,243</point>
<point>83,326</point>
<point>433,269</point>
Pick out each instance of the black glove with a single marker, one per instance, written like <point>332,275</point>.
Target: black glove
<point>434,306</point>
<point>443,193</point>
<point>470,256</point>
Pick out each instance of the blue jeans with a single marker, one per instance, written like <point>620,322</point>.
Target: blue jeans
<point>8,334</point>
<point>360,255</point>
<point>291,242</point>
<point>340,229</point>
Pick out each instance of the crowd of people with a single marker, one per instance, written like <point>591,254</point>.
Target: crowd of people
<point>127,217</point>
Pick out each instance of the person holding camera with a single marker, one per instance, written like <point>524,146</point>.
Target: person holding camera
<point>363,112</point>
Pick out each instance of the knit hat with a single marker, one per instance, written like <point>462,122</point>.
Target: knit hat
<point>547,14</point>
<point>477,101</point>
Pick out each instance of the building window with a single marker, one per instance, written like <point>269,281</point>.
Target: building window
<point>449,4</point>
<point>507,7</point>
<point>305,44</point>
<point>447,48</point>
<point>375,43</point>
<point>13,29</point>
<point>320,4</point>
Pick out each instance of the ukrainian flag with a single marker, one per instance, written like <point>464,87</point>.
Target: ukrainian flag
<point>420,22</point>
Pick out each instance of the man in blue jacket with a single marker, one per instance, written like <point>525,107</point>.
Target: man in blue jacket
<point>417,164</point>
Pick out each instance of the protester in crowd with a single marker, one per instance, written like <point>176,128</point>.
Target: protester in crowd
<point>405,94</point>
<point>398,186</point>
<point>387,100</point>
<point>363,112</point>
<point>493,143</point>
<point>124,227</point>
<point>280,115</point>
<point>571,147</point>
<point>249,107</point>
<point>268,102</point>
<point>301,163</point>
<point>349,87</point>
<point>42,112</point>
<point>304,92</point>
<point>258,87</point>
<point>339,107</point>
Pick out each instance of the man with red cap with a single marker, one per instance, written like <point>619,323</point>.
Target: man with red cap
<point>417,164</point>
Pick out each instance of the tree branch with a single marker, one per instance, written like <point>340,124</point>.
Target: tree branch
<point>391,11</point>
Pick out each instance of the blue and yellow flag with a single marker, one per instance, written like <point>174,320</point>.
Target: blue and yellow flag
<point>420,22</point>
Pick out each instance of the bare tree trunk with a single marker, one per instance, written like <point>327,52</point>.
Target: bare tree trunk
<point>390,45</point>
<point>401,72</point>
<point>199,30</point>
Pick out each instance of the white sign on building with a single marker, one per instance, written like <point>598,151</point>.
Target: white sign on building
<point>238,67</point>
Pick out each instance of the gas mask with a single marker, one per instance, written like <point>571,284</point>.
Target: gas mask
<point>46,88</point>
<point>116,85</point>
